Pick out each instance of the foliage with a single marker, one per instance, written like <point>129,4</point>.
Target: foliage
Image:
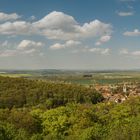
<point>19,92</point>
<point>37,110</point>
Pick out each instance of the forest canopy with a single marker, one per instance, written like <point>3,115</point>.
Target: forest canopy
<point>41,110</point>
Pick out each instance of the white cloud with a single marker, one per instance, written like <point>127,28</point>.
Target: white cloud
<point>105,38</point>
<point>29,51</point>
<point>87,49</point>
<point>130,53</point>
<point>56,20</point>
<point>25,47</point>
<point>125,13</point>
<point>105,51</point>
<point>58,25</point>
<point>7,53</point>
<point>15,52</point>
<point>6,17</point>
<point>77,47</point>
<point>98,43</point>
<point>136,53</point>
<point>102,40</point>
<point>26,44</point>
<point>57,46</point>
<point>72,43</point>
<point>68,44</point>
<point>136,32</point>
<point>29,47</point>
<point>16,28</point>
<point>95,28</point>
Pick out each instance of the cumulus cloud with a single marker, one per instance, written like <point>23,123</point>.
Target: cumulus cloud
<point>95,28</point>
<point>60,27</point>
<point>26,44</point>
<point>56,20</point>
<point>68,44</point>
<point>57,25</point>
<point>77,47</point>
<point>130,53</point>
<point>16,28</point>
<point>24,47</point>
<point>125,14</point>
<point>136,32</point>
<point>102,40</point>
<point>57,46</point>
<point>29,47</point>
<point>6,17</point>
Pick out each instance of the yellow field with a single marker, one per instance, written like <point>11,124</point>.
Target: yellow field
<point>15,75</point>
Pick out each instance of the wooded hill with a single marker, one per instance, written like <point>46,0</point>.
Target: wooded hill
<point>19,92</point>
<point>39,110</point>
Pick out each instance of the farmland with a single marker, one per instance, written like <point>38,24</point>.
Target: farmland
<point>77,77</point>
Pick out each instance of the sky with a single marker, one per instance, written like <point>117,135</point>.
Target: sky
<point>70,34</point>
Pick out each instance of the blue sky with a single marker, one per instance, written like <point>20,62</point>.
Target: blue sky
<point>70,34</point>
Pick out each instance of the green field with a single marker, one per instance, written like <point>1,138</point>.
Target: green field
<point>97,78</point>
<point>77,77</point>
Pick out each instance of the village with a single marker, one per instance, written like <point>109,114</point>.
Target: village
<point>119,92</point>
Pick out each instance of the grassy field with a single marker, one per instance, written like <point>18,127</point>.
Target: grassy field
<point>77,77</point>
<point>97,78</point>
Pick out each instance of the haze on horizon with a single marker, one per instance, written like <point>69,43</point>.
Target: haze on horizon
<point>70,34</point>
